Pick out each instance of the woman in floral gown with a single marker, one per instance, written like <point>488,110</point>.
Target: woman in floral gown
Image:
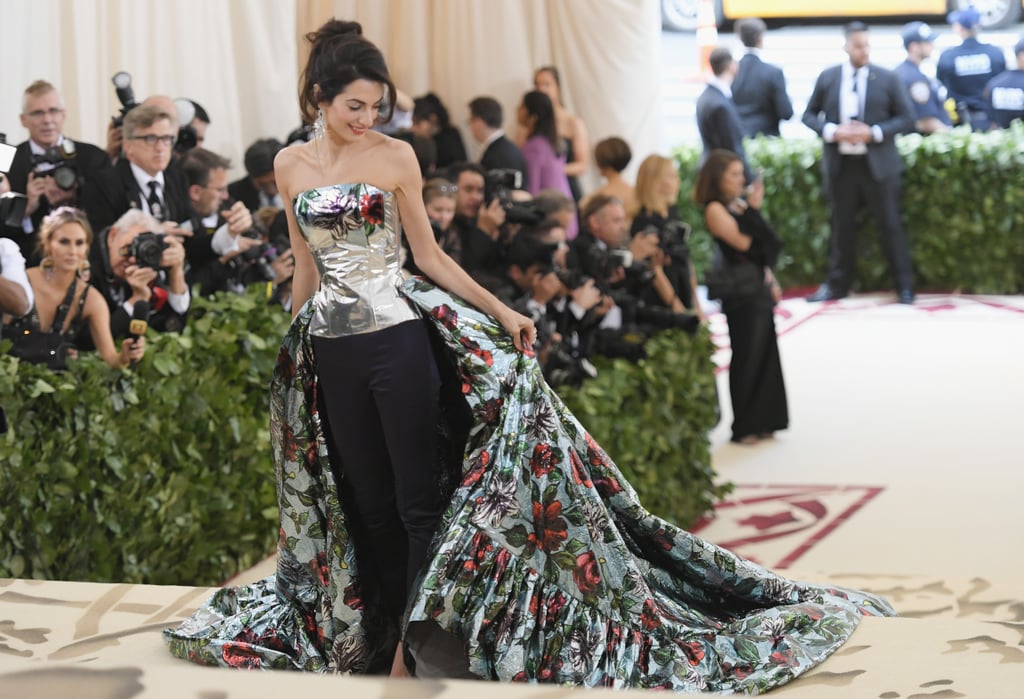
<point>544,568</point>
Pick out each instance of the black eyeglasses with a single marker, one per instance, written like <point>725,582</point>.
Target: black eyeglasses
<point>152,139</point>
<point>40,113</point>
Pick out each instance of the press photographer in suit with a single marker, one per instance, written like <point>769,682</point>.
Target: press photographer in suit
<point>143,179</point>
<point>49,168</point>
<point>858,109</point>
<point>136,261</point>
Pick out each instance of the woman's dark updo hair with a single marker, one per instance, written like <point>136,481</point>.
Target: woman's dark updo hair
<point>339,56</point>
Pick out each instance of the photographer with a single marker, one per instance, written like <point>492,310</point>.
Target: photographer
<point>143,179</point>
<point>657,210</point>
<point>259,187</point>
<point>628,276</point>
<point>220,239</point>
<point>49,168</point>
<point>479,225</point>
<point>136,261</point>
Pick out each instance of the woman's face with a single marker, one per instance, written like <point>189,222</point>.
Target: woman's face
<point>523,116</point>
<point>668,183</point>
<point>68,246</point>
<point>544,82</point>
<point>354,110</point>
<point>441,211</point>
<point>733,180</point>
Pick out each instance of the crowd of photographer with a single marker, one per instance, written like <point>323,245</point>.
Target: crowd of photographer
<point>169,224</point>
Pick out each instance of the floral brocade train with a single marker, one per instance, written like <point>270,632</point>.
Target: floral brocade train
<point>546,566</point>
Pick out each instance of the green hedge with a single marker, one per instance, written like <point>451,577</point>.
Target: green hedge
<point>161,476</point>
<point>962,208</point>
<point>653,419</point>
<point>164,475</point>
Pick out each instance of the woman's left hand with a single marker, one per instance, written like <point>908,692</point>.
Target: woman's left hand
<point>522,330</point>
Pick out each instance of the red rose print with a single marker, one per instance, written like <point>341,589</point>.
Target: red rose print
<point>555,605</point>
<point>238,655</point>
<point>694,651</point>
<point>351,598</point>
<point>445,315</point>
<point>580,474</point>
<point>320,569</point>
<point>783,657</point>
<point>477,468</point>
<point>587,573</point>
<point>550,528</point>
<point>490,411</point>
<point>501,561</point>
<point>649,616</point>
<point>544,459</point>
<point>372,208</point>
<point>607,486</point>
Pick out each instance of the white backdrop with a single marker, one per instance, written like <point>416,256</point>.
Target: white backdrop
<point>240,58</point>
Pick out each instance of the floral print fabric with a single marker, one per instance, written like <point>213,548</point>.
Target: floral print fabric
<point>545,564</point>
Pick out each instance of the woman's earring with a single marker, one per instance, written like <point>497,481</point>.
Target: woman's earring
<point>83,270</point>
<point>318,124</point>
<point>47,263</point>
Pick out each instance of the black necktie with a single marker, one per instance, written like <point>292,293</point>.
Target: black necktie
<point>856,94</point>
<point>155,207</point>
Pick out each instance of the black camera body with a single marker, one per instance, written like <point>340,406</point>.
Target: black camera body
<point>147,249</point>
<point>674,240</point>
<point>260,256</point>
<point>498,184</point>
<point>62,166</point>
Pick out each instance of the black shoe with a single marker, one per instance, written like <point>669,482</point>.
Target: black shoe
<point>825,293</point>
<point>906,296</point>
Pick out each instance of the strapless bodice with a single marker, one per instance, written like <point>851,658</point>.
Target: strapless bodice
<point>354,234</point>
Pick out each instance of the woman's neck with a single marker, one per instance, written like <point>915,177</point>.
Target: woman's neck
<point>59,280</point>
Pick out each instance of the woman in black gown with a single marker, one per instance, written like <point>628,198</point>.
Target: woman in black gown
<point>744,238</point>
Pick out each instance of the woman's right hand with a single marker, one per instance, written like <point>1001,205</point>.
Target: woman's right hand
<point>132,350</point>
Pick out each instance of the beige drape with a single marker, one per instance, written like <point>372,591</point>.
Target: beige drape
<point>240,58</point>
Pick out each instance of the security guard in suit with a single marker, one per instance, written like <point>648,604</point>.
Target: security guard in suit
<point>926,95</point>
<point>1004,94</point>
<point>967,68</point>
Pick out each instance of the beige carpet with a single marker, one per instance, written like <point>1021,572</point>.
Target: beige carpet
<point>916,407</point>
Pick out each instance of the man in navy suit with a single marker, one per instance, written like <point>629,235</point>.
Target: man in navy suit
<point>759,89</point>
<point>499,153</point>
<point>717,118</point>
<point>858,109</point>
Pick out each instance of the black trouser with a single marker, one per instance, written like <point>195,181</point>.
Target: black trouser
<point>379,392</point>
<point>851,189</point>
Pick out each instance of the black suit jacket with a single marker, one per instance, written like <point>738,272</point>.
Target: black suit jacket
<point>719,125</point>
<point>245,191</point>
<point>502,153</point>
<point>114,191</point>
<point>89,160</point>
<point>759,93</point>
<point>886,105</point>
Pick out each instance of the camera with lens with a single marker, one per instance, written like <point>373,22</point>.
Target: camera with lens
<point>673,239</point>
<point>498,184</point>
<point>604,263</point>
<point>59,163</point>
<point>260,257</point>
<point>125,95</point>
<point>147,249</point>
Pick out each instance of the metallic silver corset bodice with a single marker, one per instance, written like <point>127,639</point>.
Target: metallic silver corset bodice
<point>353,233</point>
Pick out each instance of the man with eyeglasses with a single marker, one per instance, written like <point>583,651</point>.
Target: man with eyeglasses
<point>142,179</point>
<point>222,230</point>
<point>46,153</point>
